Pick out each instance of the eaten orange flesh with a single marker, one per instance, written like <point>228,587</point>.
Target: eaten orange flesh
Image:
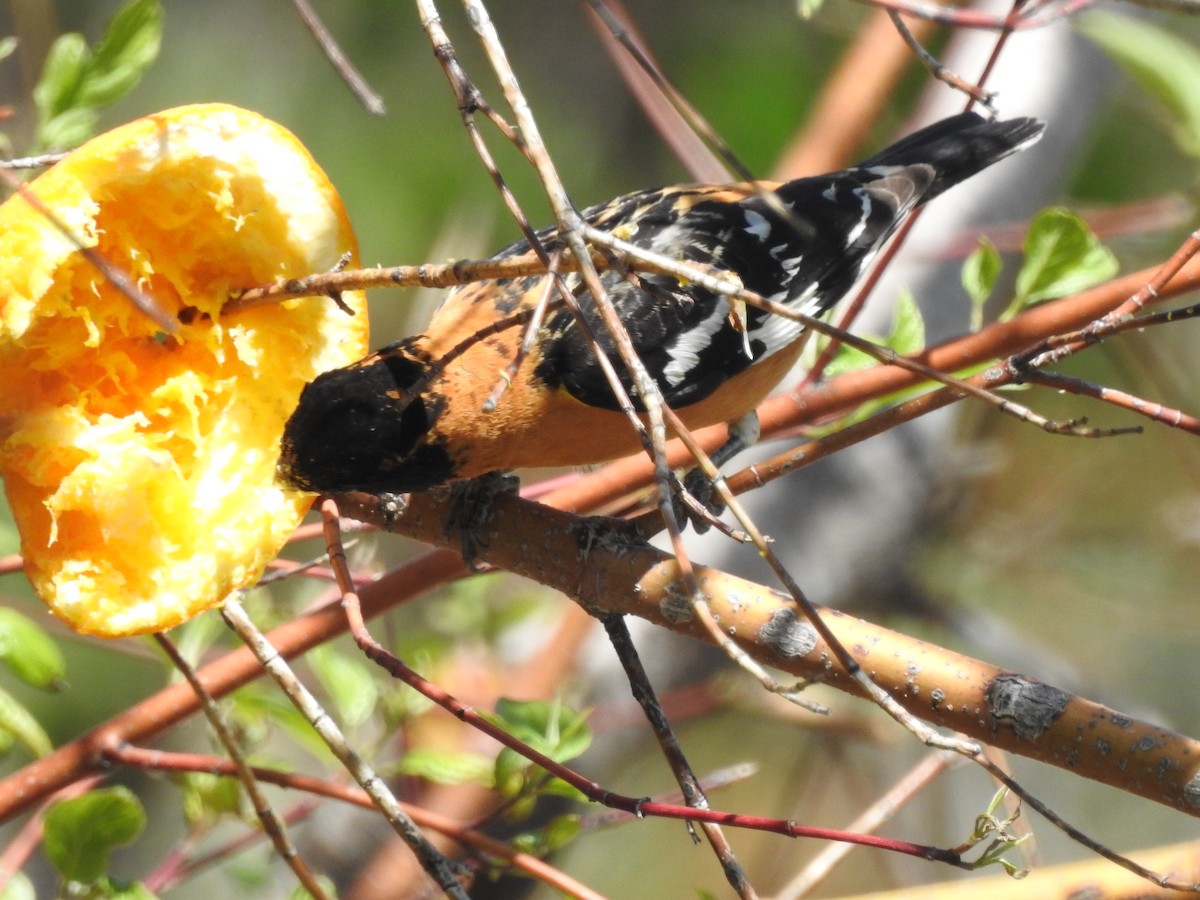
<point>139,465</point>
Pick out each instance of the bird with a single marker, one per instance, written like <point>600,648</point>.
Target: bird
<point>415,415</point>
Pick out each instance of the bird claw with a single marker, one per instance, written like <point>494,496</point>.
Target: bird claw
<point>470,511</point>
<point>696,501</point>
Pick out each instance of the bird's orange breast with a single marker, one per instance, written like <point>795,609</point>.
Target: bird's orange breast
<point>534,424</point>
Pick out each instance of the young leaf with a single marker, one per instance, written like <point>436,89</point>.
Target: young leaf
<point>76,84</point>
<point>82,832</point>
<point>1062,257</point>
<point>30,653</point>
<point>299,893</point>
<point>196,636</point>
<point>547,726</point>
<point>128,48</point>
<point>1163,64</point>
<point>908,327</point>
<point>68,129</point>
<point>847,359</point>
<point>907,337</point>
<point>62,73</point>
<point>10,539</point>
<point>561,831</point>
<point>556,834</point>
<point>447,766</point>
<point>18,723</point>
<point>979,275</point>
<point>508,773</point>
<point>206,798</point>
<point>111,889</point>
<point>556,787</point>
<point>259,709</point>
<point>348,681</point>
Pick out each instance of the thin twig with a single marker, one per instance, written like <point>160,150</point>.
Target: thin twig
<point>681,125</point>
<point>113,275</point>
<point>34,162</point>
<point>1155,412</point>
<point>167,761</point>
<point>915,780</point>
<point>689,784</point>
<point>939,71</point>
<point>441,869</point>
<point>529,341</point>
<point>1061,346</point>
<point>271,823</point>
<point>1035,15</point>
<point>354,80</point>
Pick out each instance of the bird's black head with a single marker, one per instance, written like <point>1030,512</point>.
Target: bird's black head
<point>363,428</point>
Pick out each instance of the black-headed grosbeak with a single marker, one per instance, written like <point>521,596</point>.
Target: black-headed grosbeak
<point>410,416</point>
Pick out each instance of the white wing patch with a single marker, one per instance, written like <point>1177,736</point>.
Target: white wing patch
<point>686,348</point>
<point>866,203</point>
<point>791,265</point>
<point>757,225</point>
<point>777,332</point>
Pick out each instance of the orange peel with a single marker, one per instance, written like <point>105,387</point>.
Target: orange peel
<point>139,466</point>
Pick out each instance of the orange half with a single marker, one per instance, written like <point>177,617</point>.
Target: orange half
<point>139,465</point>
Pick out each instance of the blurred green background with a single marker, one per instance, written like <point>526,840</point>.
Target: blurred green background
<point>1084,551</point>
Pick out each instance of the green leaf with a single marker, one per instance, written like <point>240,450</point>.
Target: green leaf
<point>348,681</point>
<point>129,47</point>
<point>548,726</point>
<point>7,46</point>
<point>1062,257</point>
<point>508,774</point>
<point>112,889</point>
<point>1163,64</point>
<point>847,359</point>
<point>77,83</point>
<point>556,787</point>
<point>206,798</point>
<point>908,327</point>
<point>30,653</point>
<point>906,337</point>
<point>81,833</point>
<point>447,766</point>
<point>557,834</point>
<point>10,539</point>
<point>299,893</point>
<point>807,9</point>
<point>196,636</point>
<point>67,130</point>
<point>259,708</point>
<point>62,72</point>
<point>17,722</point>
<point>560,831</point>
<point>980,272</point>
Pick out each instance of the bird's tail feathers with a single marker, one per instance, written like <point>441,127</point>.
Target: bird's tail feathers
<point>958,147</point>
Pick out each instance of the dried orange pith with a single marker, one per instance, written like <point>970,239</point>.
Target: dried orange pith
<point>140,466</point>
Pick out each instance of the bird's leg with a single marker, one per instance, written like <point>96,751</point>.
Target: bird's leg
<point>743,433</point>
